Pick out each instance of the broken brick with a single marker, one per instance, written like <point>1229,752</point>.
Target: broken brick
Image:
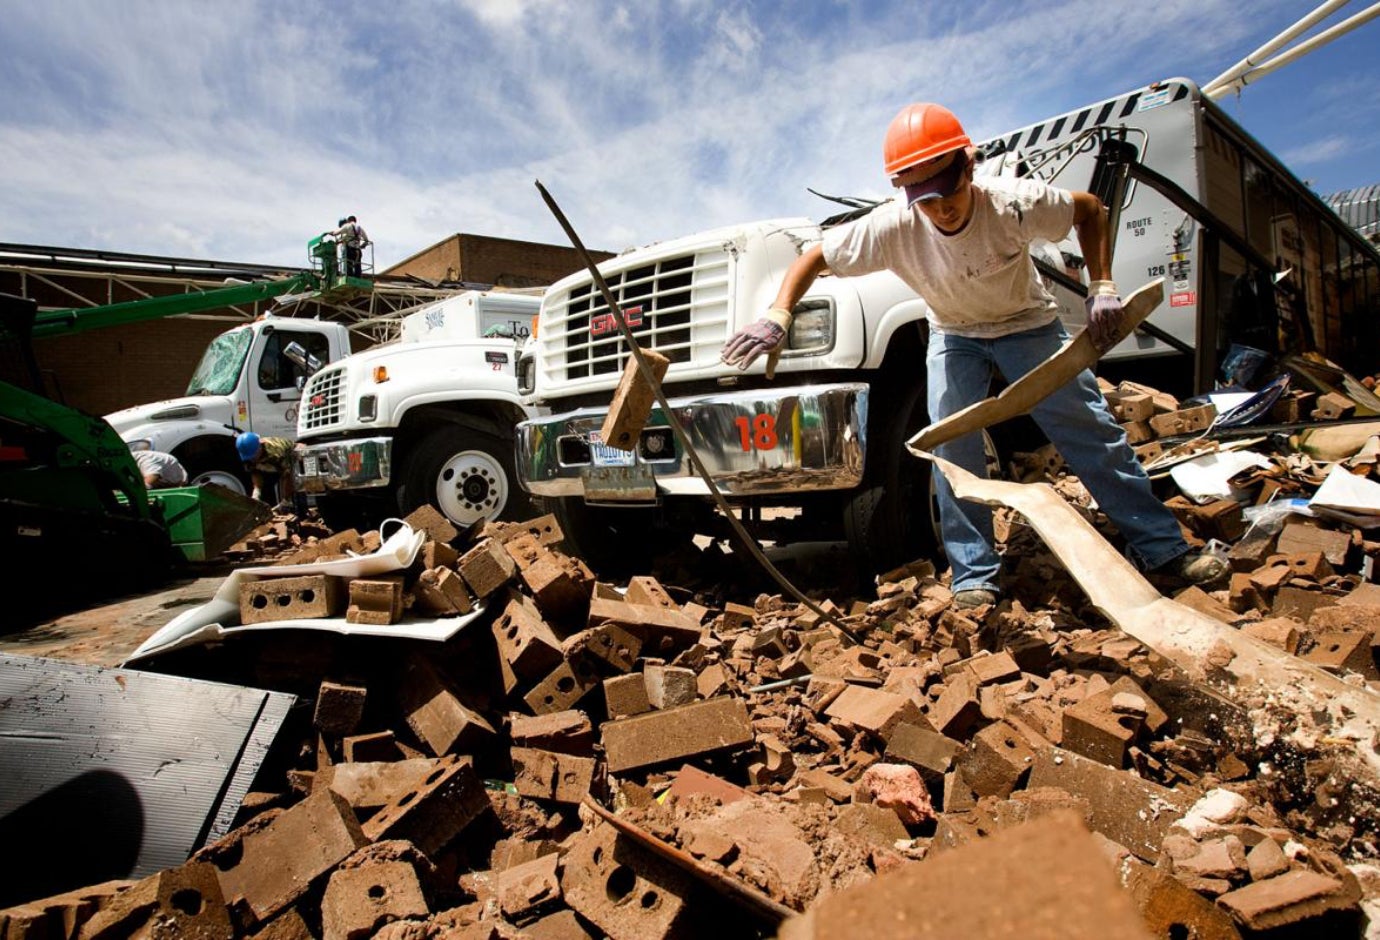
<point>377,600</point>
<point>676,733</point>
<point>486,567</point>
<point>434,813</point>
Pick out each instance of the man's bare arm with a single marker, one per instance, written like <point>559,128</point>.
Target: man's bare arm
<point>799,276</point>
<point>1094,238</point>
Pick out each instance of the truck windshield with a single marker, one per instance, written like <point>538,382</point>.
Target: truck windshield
<point>219,370</point>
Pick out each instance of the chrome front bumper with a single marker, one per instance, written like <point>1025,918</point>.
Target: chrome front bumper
<point>752,443</point>
<point>344,465</point>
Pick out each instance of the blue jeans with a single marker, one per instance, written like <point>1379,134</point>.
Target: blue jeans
<point>1076,420</point>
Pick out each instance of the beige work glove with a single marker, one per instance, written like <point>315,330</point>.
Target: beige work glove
<point>767,335</point>
<point>1105,313</point>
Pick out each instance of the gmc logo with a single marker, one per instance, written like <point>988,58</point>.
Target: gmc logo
<point>602,323</point>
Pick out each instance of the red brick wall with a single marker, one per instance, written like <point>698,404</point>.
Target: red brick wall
<point>504,262</point>
<point>108,369</point>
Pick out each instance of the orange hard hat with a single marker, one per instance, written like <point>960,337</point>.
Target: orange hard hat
<point>921,132</point>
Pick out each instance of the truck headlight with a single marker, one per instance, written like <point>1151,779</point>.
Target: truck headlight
<point>812,330</point>
<point>368,407</point>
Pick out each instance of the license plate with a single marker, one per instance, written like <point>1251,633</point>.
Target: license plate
<point>603,455</point>
<point>309,466</point>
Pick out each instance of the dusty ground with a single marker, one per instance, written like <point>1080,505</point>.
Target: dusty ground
<point>105,634</point>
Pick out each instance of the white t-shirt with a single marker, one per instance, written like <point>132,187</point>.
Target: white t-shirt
<point>980,282</point>
<point>170,472</point>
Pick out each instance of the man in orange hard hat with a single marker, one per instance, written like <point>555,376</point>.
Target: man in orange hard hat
<point>963,245</point>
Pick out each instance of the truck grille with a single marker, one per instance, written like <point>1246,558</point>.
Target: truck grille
<point>677,306</point>
<point>321,401</point>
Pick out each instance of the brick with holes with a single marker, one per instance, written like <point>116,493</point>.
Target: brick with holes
<point>563,687</point>
<point>306,597</point>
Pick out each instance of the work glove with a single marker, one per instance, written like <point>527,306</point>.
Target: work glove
<point>257,494</point>
<point>767,335</point>
<point>1105,314</point>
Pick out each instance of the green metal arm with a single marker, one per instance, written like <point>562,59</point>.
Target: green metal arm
<point>80,319</point>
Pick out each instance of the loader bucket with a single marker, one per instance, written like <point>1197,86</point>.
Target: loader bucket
<point>203,521</point>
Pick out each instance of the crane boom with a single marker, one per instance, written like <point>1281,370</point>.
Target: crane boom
<point>80,319</point>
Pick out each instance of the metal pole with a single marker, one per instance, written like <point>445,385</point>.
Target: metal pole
<point>675,424</point>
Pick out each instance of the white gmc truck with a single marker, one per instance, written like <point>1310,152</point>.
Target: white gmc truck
<point>1193,198</point>
<point>249,379</point>
<point>426,418</point>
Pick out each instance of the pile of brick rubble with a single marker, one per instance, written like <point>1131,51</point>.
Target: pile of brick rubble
<point>656,759</point>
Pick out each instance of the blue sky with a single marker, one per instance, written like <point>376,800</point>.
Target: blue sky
<point>238,130</point>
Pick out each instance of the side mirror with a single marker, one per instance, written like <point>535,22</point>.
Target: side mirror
<point>299,355</point>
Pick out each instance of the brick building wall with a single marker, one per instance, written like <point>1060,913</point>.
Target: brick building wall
<point>105,370</point>
<point>503,262</point>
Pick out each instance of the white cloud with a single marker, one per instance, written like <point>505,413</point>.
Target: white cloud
<point>1317,151</point>
<point>238,131</point>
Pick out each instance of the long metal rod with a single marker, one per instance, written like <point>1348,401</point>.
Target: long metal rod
<point>675,424</point>
<point>1284,58</point>
<point>1261,54</point>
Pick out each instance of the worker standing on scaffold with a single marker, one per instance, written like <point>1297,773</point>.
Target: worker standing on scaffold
<point>351,234</point>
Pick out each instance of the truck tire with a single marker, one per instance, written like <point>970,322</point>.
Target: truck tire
<point>202,470</point>
<point>468,475</point>
<point>888,521</point>
<point>616,542</point>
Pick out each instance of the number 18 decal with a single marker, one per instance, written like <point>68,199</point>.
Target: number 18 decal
<point>757,432</point>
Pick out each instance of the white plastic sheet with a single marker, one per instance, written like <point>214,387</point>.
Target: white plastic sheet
<point>1206,478</point>
<point>219,617</point>
<point>1350,497</point>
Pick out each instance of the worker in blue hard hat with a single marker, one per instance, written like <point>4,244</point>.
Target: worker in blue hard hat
<point>270,463</point>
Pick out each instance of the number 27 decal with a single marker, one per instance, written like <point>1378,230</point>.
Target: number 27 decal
<point>757,432</point>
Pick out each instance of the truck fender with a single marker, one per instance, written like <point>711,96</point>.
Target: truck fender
<point>881,331</point>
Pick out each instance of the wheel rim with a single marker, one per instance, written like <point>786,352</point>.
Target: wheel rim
<point>471,486</point>
<point>221,477</point>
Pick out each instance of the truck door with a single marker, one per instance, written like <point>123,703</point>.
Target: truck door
<point>504,317</point>
<point>274,381</point>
